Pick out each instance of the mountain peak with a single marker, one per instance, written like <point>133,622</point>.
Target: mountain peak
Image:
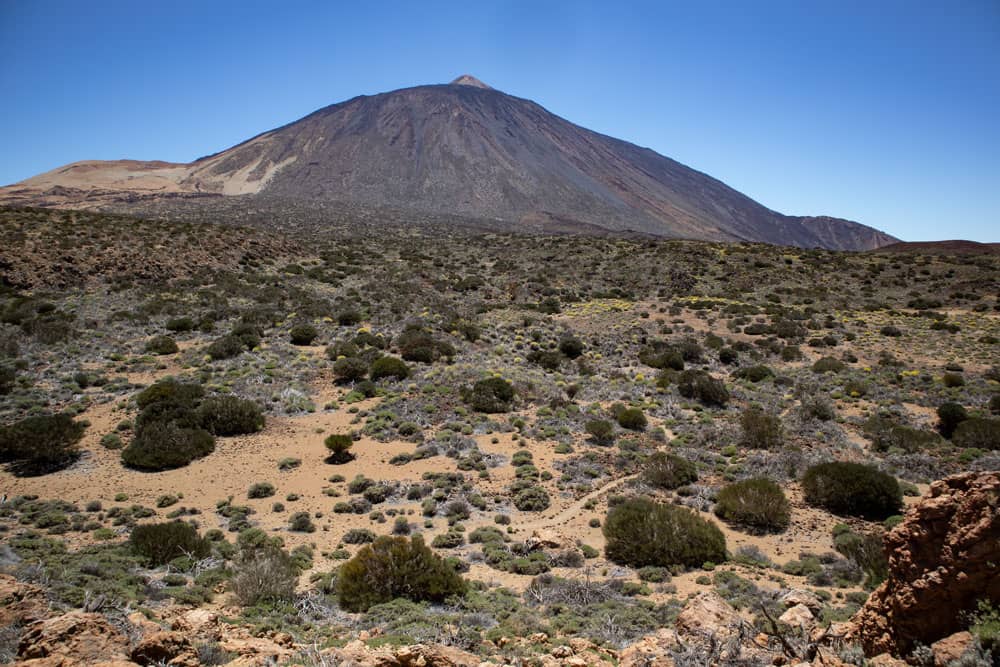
<point>469,80</point>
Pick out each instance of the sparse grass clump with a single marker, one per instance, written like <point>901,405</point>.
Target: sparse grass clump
<point>853,489</point>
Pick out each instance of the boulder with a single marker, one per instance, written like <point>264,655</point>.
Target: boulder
<point>76,638</point>
<point>165,647</point>
<point>707,615</point>
<point>943,558</point>
<point>798,616</point>
<point>544,538</point>
<point>798,596</point>
<point>20,603</point>
<point>650,651</point>
<point>950,649</point>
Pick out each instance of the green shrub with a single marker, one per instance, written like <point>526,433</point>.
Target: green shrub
<point>301,522</point>
<point>865,550</point>
<point>41,444</point>
<point>699,385</point>
<point>111,441</point>
<point>389,367</point>
<point>758,503</point>
<point>8,377</point>
<point>161,345</point>
<point>571,346</point>
<point>632,418</point>
<point>754,373</point>
<point>339,445</point>
<point>853,489</point>
<point>396,567</point>
<point>531,499</point>
<point>668,471</point>
<point>263,572</point>
<point>162,445</point>
<point>449,540</point>
<point>416,344</point>
<point>358,536</point>
<point>181,324</point>
<point>761,430</point>
<point>170,391</point>
<point>601,430</point>
<point>261,490</point>
<point>953,380</point>
<point>491,395</point>
<point>640,532</point>
<point>160,543</point>
<point>828,365</point>
<point>229,415</point>
<point>349,369</point>
<point>226,347</point>
<point>977,432</point>
<point>303,334</point>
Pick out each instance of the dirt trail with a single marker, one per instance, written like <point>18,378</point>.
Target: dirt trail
<point>567,514</point>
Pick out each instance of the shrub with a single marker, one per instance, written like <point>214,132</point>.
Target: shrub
<point>339,445</point>
<point>170,391</point>
<point>396,567</point>
<point>160,543</point>
<point>263,572</point>
<point>161,345</point>
<point>416,344</point>
<point>531,499</point>
<point>229,415</point>
<point>303,334</point>
<point>571,346</point>
<point>865,550</point>
<point>701,386</point>
<point>358,536</point>
<point>300,522</point>
<point>41,443</point>
<point>668,471</point>
<point>389,367</point>
<point>8,376</point>
<point>828,365</point>
<point>977,432</point>
<point>953,380</point>
<point>761,430</point>
<point>640,532</point>
<point>754,373</point>
<point>349,369</point>
<point>891,331</point>
<point>181,324</point>
<point>853,489</point>
<point>550,360</point>
<point>491,395</point>
<point>757,503</point>
<point>162,445</point>
<point>261,490</point>
<point>632,418</point>
<point>226,347</point>
<point>601,430</point>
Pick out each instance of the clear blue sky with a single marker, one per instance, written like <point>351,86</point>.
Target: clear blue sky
<point>882,111</point>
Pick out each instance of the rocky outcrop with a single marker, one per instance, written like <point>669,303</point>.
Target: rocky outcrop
<point>20,603</point>
<point>76,638</point>
<point>943,558</point>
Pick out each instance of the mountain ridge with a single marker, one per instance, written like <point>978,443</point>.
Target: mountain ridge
<point>462,148</point>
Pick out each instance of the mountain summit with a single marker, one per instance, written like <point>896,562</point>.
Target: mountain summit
<point>464,149</point>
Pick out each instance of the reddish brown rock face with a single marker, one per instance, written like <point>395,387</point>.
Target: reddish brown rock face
<point>943,558</point>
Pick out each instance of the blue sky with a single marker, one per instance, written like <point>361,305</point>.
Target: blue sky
<point>885,112</point>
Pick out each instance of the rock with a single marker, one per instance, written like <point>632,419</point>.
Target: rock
<point>707,615</point>
<point>798,616</point>
<point>165,647</point>
<point>76,638</point>
<point>20,603</point>
<point>943,558</point>
<point>950,649</point>
<point>538,638</point>
<point>650,651</point>
<point>798,596</point>
<point>544,539</point>
<point>562,651</point>
<point>886,660</point>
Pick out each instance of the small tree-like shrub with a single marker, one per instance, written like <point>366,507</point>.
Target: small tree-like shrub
<point>349,369</point>
<point>339,445</point>
<point>632,418</point>
<point>950,415</point>
<point>491,395</point>
<point>853,489</point>
<point>162,445</point>
<point>42,443</point>
<point>303,334</point>
<point>668,471</point>
<point>759,504</point>
<point>640,532</point>
<point>396,567</point>
<point>160,543</point>
<point>389,367</point>
<point>531,499</point>
<point>601,430</point>
<point>161,345</point>
<point>229,415</point>
<point>761,430</point>
<point>977,432</point>
<point>699,385</point>
<point>571,346</point>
